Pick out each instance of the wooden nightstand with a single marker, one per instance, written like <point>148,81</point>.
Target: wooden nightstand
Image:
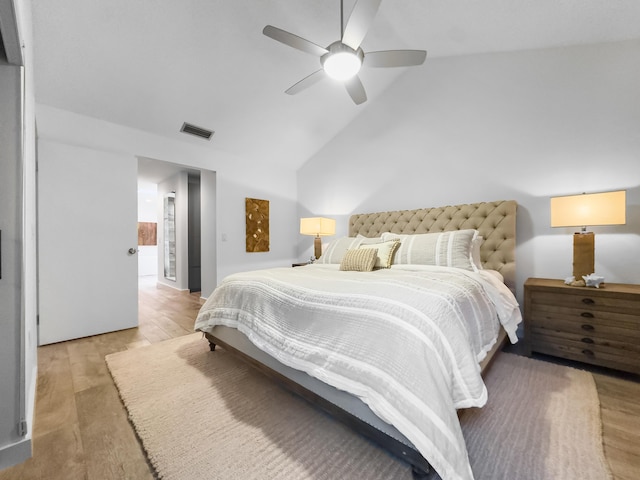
<point>600,326</point>
<point>299,264</point>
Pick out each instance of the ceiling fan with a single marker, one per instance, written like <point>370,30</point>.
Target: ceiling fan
<point>343,59</point>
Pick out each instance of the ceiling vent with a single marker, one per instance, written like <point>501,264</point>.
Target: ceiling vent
<point>197,131</point>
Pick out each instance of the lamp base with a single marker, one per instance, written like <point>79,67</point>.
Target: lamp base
<point>317,247</point>
<point>583,254</point>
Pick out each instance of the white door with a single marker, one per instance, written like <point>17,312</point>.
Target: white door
<point>87,222</point>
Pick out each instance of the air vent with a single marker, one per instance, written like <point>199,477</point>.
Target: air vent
<point>197,131</point>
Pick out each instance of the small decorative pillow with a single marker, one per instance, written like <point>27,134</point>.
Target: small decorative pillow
<point>337,248</point>
<point>359,260</point>
<point>448,249</point>
<point>385,252</point>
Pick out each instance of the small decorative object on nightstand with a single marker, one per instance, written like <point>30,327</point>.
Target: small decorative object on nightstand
<point>597,326</point>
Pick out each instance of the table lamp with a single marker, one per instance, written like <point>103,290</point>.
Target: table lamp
<point>319,227</point>
<point>607,208</point>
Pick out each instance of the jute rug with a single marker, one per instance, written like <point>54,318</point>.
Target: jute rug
<point>203,415</point>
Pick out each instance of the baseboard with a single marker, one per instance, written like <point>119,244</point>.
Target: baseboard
<point>15,453</point>
<point>21,451</point>
<point>172,287</point>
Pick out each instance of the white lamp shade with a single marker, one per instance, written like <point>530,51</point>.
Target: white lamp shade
<point>317,226</point>
<point>342,65</point>
<point>607,208</point>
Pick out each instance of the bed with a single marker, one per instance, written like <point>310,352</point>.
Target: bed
<point>392,352</point>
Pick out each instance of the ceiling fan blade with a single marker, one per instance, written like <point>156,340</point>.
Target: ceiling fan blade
<point>361,18</point>
<point>294,41</point>
<point>306,82</point>
<point>356,90</point>
<point>394,58</point>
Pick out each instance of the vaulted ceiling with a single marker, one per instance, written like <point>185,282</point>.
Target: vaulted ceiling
<point>154,64</point>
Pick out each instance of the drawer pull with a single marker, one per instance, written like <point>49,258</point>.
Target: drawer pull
<point>586,314</point>
<point>588,301</point>
<point>587,340</point>
<point>588,352</point>
<point>587,327</point>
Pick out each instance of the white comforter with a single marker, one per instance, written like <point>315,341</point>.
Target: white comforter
<point>406,340</point>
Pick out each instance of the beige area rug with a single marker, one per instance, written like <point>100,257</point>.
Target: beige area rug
<point>204,415</point>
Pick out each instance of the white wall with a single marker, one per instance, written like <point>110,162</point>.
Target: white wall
<point>208,228</point>
<point>147,260</point>
<point>235,178</point>
<point>147,207</point>
<point>524,126</point>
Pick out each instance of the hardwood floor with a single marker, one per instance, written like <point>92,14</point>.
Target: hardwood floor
<point>81,429</point>
<point>620,409</point>
<point>619,394</point>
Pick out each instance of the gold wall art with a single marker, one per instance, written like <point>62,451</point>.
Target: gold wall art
<point>257,221</point>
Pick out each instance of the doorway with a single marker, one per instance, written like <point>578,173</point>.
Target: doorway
<point>194,198</point>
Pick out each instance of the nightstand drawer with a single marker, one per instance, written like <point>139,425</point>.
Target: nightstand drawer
<point>604,324</point>
<point>593,354</point>
<point>612,344</point>
<point>589,301</point>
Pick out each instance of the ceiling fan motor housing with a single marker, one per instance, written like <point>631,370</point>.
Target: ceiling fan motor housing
<point>342,62</point>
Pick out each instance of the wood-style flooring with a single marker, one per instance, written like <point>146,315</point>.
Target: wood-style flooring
<point>81,429</point>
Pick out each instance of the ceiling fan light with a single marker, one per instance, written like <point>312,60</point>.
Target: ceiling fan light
<point>342,65</point>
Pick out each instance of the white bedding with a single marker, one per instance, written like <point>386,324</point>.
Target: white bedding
<point>406,340</point>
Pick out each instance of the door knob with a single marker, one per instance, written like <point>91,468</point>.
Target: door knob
<point>132,251</point>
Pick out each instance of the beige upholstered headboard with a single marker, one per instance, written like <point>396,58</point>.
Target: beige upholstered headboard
<point>495,221</point>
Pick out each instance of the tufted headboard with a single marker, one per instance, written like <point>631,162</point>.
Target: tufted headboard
<point>495,221</point>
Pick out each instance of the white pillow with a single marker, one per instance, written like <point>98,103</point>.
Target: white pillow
<point>337,248</point>
<point>448,249</point>
<point>369,240</point>
<point>475,252</point>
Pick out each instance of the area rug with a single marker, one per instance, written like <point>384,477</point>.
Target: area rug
<point>204,415</point>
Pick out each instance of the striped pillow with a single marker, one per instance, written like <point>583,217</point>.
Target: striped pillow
<point>447,249</point>
<point>337,248</point>
<point>359,260</point>
<point>385,252</point>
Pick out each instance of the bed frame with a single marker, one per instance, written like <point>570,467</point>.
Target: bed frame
<point>495,221</point>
